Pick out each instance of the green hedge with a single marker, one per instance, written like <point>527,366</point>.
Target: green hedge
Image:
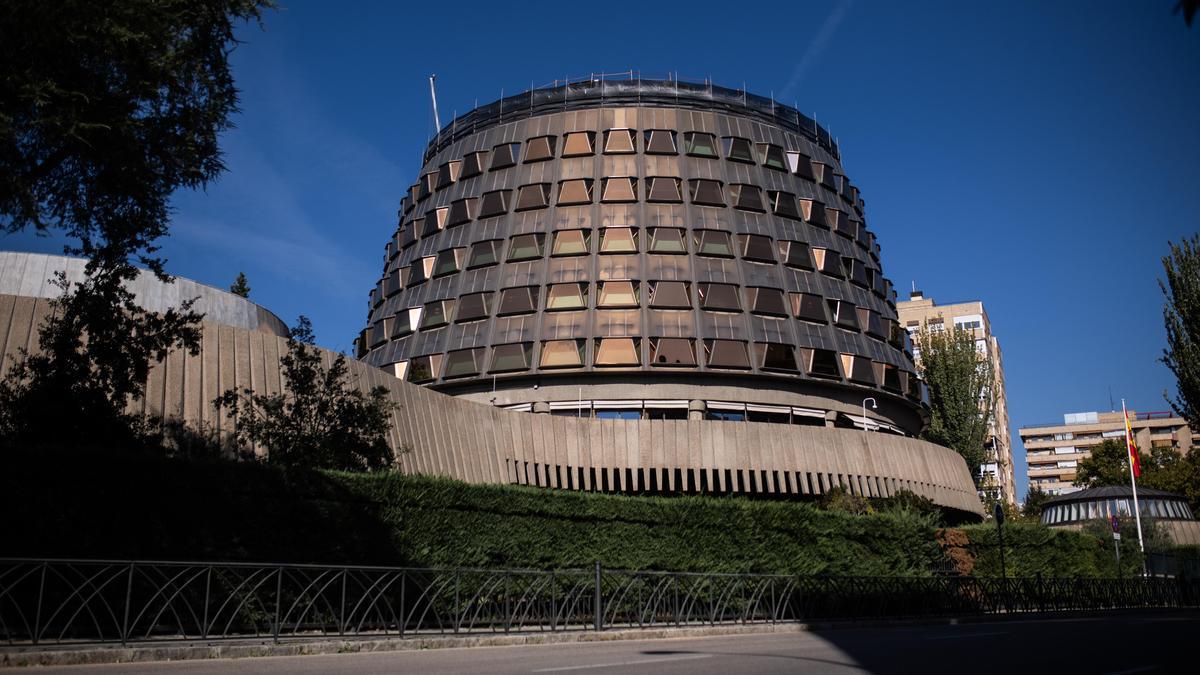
<point>101,505</point>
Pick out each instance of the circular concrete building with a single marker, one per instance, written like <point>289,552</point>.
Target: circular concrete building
<point>643,250</point>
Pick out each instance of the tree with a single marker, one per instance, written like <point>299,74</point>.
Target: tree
<point>1035,500</point>
<point>92,362</point>
<point>1107,465</point>
<point>1181,315</point>
<point>105,110</point>
<point>961,400</point>
<point>240,286</point>
<point>319,421</point>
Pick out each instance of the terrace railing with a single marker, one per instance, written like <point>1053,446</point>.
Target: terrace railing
<point>56,602</point>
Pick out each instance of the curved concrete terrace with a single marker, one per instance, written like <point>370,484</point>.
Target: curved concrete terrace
<point>479,443</point>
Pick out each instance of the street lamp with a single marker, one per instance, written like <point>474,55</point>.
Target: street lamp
<point>864,411</point>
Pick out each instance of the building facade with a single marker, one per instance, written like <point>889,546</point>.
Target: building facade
<point>1053,451</point>
<point>639,249</point>
<point>1157,508</point>
<point>997,474</point>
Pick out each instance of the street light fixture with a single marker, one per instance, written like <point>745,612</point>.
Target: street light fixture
<point>864,411</point>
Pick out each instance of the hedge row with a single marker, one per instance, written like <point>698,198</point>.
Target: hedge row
<point>98,505</point>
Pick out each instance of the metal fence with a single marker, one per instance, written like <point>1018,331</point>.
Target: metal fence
<point>53,602</point>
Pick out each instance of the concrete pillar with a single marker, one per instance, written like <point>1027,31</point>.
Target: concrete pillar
<point>696,410</point>
<point>830,419</point>
<point>541,407</point>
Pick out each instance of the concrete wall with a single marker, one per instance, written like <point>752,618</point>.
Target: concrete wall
<point>479,443</point>
<point>30,275</point>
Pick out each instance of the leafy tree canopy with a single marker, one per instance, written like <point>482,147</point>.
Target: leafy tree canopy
<point>961,400</point>
<point>320,421</point>
<point>1035,500</point>
<point>1181,315</point>
<point>240,286</point>
<point>106,108</point>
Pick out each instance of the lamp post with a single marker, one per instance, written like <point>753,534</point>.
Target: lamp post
<point>864,411</point>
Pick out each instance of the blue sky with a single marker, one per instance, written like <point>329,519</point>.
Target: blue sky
<point>1037,156</point>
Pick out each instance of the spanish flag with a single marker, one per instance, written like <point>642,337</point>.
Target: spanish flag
<point>1134,461</point>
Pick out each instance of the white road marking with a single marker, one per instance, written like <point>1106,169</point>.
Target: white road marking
<point>615,664</point>
<point>966,635</point>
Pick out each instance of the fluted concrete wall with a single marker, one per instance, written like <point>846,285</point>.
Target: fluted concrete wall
<point>479,443</point>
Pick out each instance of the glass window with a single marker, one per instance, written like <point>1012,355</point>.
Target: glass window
<point>447,261</point>
<point>775,356</point>
<point>621,351</point>
<point>619,141</point>
<point>814,212</point>
<point>667,240</point>
<point>579,144</point>
<point>507,358</point>
<point>795,254</point>
<point>461,211</point>
<point>663,189</point>
<point>858,368</point>
<point>448,173</point>
<point>746,197</point>
<point>660,142</point>
<point>713,243</point>
<point>610,414</point>
<point>473,164</point>
<point>766,301</point>
<point>670,295</point>
<point>473,307</point>
<point>738,149</point>
<point>416,273</point>
<point>484,253</point>
<point>426,185</point>
<point>436,223</point>
<point>575,192</point>
<point>526,247</point>
<point>801,165</point>
<point>706,192</point>
<point>828,262</point>
<point>437,314</point>
<point>619,189</point>
<point>808,307</point>
<point>463,362</point>
<point>618,294</point>
<point>494,203</point>
<point>504,156</point>
<point>757,247</point>
<point>771,156</point>
<point>856,271</point>
<point>535,196</point>
<point>820,363</point>
<point>845,314</point>
<point>842,223</point>
<point>672,352</point>
<point>719,297</point>
<point>784,204</point>
<point>562,354</point>
<point>424,368</point>
<point>540,149</point>
<point>891,376</point>
<point>570,242</point>
<point>618,240</point>
<point>726,354</point>
<point>521,300</point>
<point>566,296</point>
<point>699,144</point>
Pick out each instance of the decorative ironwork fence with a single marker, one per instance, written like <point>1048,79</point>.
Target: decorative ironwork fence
<point>97,601</point>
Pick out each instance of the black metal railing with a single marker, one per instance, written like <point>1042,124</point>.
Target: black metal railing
<point>52,602</point>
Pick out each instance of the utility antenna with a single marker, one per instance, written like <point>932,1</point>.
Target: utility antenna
<point>433,94</point>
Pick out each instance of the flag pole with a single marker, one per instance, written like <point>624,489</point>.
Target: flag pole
<point>1137,513</point>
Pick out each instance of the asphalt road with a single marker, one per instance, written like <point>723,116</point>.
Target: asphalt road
<point>1122,645</point>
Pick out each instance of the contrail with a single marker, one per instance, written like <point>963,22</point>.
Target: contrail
<point>816,47</point>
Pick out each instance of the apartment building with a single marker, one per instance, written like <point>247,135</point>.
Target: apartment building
<point>998,478</point>
<point>1053,451</point>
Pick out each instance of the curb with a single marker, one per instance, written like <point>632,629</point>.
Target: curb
<point>92,655</point>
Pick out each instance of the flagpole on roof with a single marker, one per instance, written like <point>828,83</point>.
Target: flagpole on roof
<point>1130,448</point>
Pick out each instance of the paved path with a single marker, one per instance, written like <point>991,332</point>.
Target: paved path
<point>1124,645</point>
